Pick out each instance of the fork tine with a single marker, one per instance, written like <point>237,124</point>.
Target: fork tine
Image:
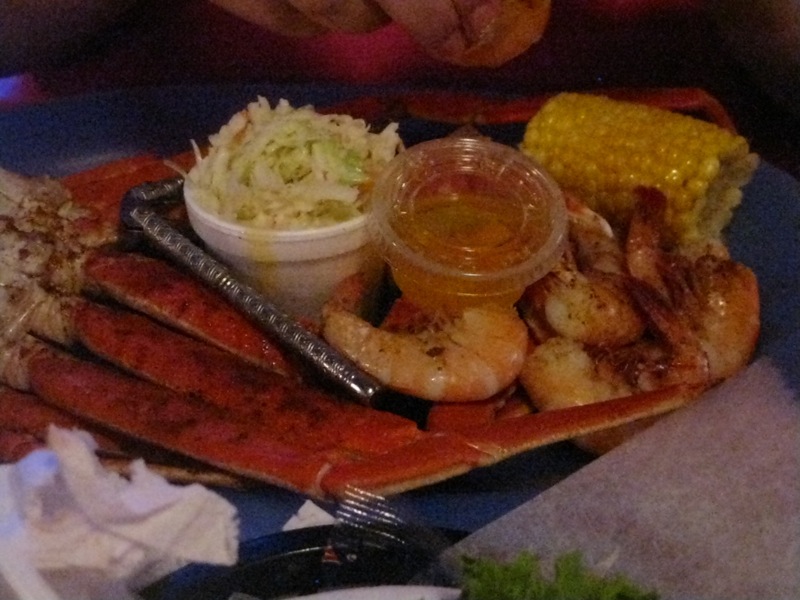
<point>373,514</point>
<point>370,514</point>
<point>365,519</point>
<point>370,507</point>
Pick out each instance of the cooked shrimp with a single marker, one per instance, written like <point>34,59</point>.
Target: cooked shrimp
<point>467,357</point>
<point>591,307</point>
<point>716,296</point>
<point>585,297</point>
<point>702,317</point>
<point>563,371</point>
<point>595,244</point>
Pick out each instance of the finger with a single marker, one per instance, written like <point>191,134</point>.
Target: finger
<point>353,16</point>
<point>472,32</point>
<point>431,22</point>
<point>276,15</point>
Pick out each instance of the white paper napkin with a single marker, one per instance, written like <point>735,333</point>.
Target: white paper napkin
<point>70,525</point>
<point>308,515</point>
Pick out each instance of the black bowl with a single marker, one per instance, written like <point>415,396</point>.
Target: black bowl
<point>296,563</point>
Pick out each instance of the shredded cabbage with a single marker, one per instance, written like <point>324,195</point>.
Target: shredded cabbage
<point>522,578</point>
<point>289,168</point>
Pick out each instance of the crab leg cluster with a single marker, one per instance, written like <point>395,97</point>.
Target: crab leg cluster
<point>154,364</point>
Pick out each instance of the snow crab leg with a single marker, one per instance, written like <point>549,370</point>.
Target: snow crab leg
<point>260,425</point>
<point>461,109</point>
<point>26,419</point>
<point>326,444</point>
<point>170,296</point>
<point>204,403</point>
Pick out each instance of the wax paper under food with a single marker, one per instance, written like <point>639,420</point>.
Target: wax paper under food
<point>704,504</point>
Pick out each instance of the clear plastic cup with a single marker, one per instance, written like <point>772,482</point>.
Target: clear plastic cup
<point>465,220</point>
<point>296,270</point>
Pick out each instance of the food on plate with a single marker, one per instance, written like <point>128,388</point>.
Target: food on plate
<point>523,578</point>
<point>132,349</point>
<point>289,168</point>
<point>43,236</point>
<point>602,150</point>
<point>172,297</point>
<point>465,224</point>
<point>185,405</point>
<point>717,297</point>
<point>584,297</point>
<point>467,356</point>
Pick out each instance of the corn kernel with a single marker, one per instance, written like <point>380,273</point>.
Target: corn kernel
<point>602,149</point>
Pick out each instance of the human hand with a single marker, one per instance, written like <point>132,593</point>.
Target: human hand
<point>463,32</point>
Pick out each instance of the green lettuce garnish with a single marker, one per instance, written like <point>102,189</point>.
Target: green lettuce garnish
<point>523,579</point>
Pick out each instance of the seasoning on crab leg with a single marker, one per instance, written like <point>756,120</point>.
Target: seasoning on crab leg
<point>25,419</point>
<point>284,408</point>
<point>171,296</point>
<point>177,422</point>
<point>447,454</point>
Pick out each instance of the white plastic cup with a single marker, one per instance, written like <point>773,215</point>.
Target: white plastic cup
<point>297,270</point>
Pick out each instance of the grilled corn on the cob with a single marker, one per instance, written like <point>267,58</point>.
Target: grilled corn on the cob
<point>602,149</point>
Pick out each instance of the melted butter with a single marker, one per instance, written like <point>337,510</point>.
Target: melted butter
<point>473,233</point>
<point>466,224</point>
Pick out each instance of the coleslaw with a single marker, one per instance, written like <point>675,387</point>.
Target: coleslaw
<point>287,168</point>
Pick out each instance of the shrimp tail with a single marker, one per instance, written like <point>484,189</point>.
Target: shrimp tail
<point>687,358</point>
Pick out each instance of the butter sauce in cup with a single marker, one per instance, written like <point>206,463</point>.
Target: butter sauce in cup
<point>465,220</point>
<point>280,197</point>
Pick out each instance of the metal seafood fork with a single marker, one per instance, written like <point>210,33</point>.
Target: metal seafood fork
<point>141,219</point>
<point>366,521</point>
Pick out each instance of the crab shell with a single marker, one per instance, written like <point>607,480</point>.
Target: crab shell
<point>161,367</point>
